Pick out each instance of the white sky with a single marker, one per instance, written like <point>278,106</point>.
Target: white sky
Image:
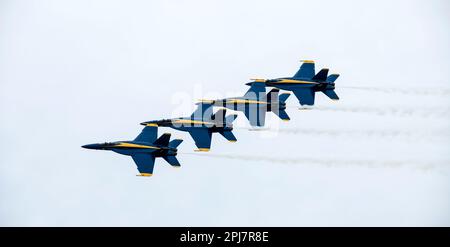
<point>78,72</point>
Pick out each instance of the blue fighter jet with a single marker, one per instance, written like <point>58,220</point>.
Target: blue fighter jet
<point>305,83</point>
<point>201,125</point>
<point>255,103</point>
<point>144,149</point>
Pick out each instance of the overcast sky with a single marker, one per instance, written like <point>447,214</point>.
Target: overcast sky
<point>79,72</point>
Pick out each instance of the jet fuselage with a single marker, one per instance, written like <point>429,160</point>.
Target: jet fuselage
<point>187,124</point>
<point>130,148</point>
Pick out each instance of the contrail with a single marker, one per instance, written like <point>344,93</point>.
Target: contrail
<point>426,165</point>
<point>416,91</point>
<point>426,112</point>
<point>371,133</point>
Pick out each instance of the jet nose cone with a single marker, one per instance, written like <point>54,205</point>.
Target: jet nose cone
<point>91,146</point>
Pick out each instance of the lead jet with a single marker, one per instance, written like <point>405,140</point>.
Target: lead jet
<point>144,149</point>
<point>305,83</point>
<point>255,103</point>
<point>201,125</point>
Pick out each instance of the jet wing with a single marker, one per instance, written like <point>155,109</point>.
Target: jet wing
<point>255,115</point>
<point>257,91</point>
<point>148,134</point>
<point>305,95</point>
<point>145,163</point>
<point>202,138</point>
<point>203,111</point>
<point>307,70</point>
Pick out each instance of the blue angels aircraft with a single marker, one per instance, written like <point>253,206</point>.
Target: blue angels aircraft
<point>305,83</point>
<point>144,149</point>
<point>201,125</point>
<point>255,103</point>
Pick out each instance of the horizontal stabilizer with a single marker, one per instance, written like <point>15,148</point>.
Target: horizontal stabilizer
<point>228,135</point>
<point>332,77</point>
<point>321,76</point>
<point>175,143</point>
<point>163,140</point>
<point>283,97</point>
<point>331,94</point>
<point>282,114</point>
<point>172,160</point>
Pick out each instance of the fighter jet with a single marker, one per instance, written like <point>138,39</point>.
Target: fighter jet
<point>144,149</point>
<point>255,103</point>
<point>305,83</point>
<point>201,125</point>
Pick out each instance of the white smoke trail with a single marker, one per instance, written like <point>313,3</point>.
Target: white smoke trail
<point>425,112</point>
<point>425,134</point>
<point>425,165</point>
<point>416,91</point>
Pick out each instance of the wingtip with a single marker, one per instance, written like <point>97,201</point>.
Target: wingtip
<point>144,175</point>
<point>202,150</point>
<point>307,61</point>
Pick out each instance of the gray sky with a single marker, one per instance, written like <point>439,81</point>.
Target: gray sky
<point>78,72</point>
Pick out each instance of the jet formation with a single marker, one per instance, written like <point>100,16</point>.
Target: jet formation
<point>203,123</point>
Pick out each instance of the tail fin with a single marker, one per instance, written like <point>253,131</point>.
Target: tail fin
<point>163,140</point>
<point>230,118</point>
<point>321,76</point>
<point>273,94</point>
<point>175,143</point>
<point>331,78</point>
<point>172,160</point>
<point>283,97</point>
<point>228,135</point>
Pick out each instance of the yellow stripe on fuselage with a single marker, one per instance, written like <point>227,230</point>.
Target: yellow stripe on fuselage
<point>237,101</point>
<point>151,125</point>
<point>294,81</point>
<point>243,101</point>
<point>206,101</point>
<point>131,145</point>
<point>187,121</point>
